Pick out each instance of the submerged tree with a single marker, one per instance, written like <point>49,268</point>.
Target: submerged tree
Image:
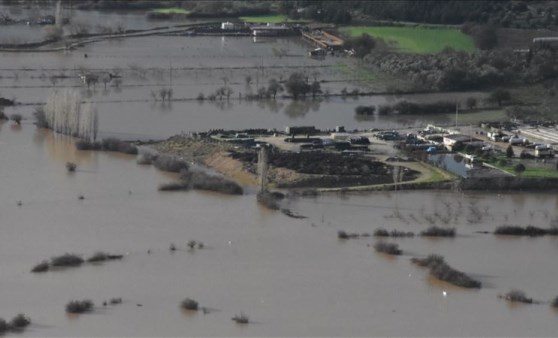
<point>66,114</point>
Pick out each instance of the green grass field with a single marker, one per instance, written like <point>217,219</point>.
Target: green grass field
<point>173,10</point>
<point>419,40</point>
<point>268,19</point>
<point>533,171</point>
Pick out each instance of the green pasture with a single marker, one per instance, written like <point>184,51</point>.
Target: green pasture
<point>419,40</point>
<point>172,10</point>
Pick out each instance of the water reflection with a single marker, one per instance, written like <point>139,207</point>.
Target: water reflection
<point>299,108</point>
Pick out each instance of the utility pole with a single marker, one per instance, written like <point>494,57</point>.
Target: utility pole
<point>262,164</point>
<point>456,113</point>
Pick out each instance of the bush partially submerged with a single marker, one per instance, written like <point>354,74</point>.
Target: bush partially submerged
<point>41,267</point>
<point>108,144</point>
<point>441,270</point>
<point>67,260</point>
<point>114,144</point>
<point>381,232</point>
<point>438,232</point>
<point>146,159</point>
<point>429,261</point>
<point>200,180</point>
<point>530,230</point>
<point>71,166</point>
<point>241,319</point>
<point>103,256</point>
<point>79,306</point>
<point>20,322</point>
<point>189,304</point>
<point>268,200</point>
<point>517,296</point>
<point>388,248</point>
<point>173,186</point>
<point>446,273</point>
<point>341,234</point>
<point>170,164</point>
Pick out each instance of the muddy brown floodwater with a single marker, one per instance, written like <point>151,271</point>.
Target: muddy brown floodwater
<point>292,277</point>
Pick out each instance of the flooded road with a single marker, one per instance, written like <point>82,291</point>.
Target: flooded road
<point>291,277</point>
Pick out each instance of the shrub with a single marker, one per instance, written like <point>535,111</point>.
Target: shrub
<point>365,110</point>
<point>555,302</point>
<point>67,260</point>
<point>3,326</point>
<point>241,319</point>
<point>381,232</point>
<point>509,151</point>
<point>438,232</point>
<point>114,301</point>
<point>345,235</point>
<point>396,233</point>
<point>519,231</point>
<point>431,260</point>
<point>268,200</point>
<point>441,270</point>
<point>203,181</point>
<point>87,145</point>
<point>189,304</point>
<point>173,186</point>
<point>519,168</point>
<point>41,267</point>
<point>16,118</point>
<point>146,159</point>
<point>3,115</point>
<point>20,322</point>
<point>40,118</point>
<point>71,166</point>
<point>448,274</point>
<point>98,257</point>
<point>79,306</point>
<point>517,296</point>
<point>170,164</point>
<point>114,144</point>
<point>388,248</point>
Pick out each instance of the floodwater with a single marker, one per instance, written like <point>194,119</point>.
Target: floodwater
<point>291,277</point>
<point>201,64</point>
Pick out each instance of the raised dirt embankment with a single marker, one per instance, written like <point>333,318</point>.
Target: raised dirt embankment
<point>212,155</point>
<point>286,169</point>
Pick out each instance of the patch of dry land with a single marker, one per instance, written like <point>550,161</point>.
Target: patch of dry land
<point>287,169</point>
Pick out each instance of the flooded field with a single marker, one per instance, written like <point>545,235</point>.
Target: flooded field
<point>200,65</point>
<point>291,277</point>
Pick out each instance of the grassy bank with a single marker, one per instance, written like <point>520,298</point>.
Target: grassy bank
<point>416,39</point>
<point>172,10</point>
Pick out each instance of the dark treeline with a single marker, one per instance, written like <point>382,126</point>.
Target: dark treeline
<point>451,70</point>
<point>506,13</point>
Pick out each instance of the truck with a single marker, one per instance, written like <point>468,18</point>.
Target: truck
<point>516,140</point>
<point>544,150</point>
<point>495,136</point>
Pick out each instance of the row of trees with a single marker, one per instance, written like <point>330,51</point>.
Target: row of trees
<point>452,70</point>
<point>516,14</point>
<point>65,113</point>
